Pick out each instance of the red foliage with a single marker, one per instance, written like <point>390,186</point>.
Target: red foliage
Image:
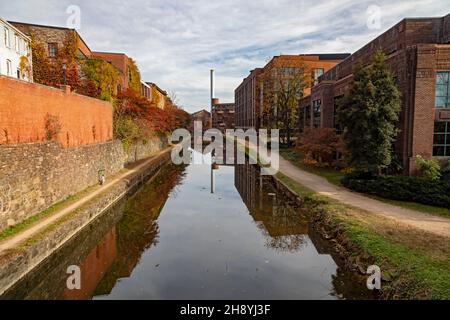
<point>319,144</point>
<point>147,116</point>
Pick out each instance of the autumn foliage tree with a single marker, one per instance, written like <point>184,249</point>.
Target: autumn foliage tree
<point>136,117</point>
<point>319,144</point>
<point>283,88</point>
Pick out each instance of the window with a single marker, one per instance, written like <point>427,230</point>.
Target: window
<point>307,116</point>
<point>441,141</point>
<point>8,68</point>
<point>442,90</point>
<point>19,74</point>
<point>337,126</point>
<point>317,105</point>
<point>52,50</point>
<point>317,74</point>
<point>7,39</point>
<point>17,43</point>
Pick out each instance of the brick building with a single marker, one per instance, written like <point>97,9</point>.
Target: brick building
<point>204,117</point>
<point>250,95</point>
<point>123,65</point>
<point>223,115</point>
<point>418,53</point>
<point>53,38</point>
<point>158,95</point>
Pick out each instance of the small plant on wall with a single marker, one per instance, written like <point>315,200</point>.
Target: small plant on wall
<point>52,127</point>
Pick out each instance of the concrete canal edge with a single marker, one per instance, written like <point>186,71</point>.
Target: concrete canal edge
<point>18,262</point>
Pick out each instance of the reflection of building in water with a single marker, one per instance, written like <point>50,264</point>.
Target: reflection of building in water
<point>105,251</point>
<point>281,221</point>
<point>138,230</point>
<point>94,266</point>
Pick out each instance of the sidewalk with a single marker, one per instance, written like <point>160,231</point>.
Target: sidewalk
<point>416,219</point>
<point>40,225</point>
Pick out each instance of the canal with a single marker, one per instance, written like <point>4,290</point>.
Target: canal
<point>174,239</point>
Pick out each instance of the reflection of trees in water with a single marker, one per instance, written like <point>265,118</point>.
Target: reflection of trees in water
<point>280,220</point>
<point>138,230</point>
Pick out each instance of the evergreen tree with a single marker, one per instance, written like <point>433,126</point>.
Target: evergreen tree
<point>369,114</point>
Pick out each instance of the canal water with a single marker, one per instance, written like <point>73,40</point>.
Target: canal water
<point>174,239</point>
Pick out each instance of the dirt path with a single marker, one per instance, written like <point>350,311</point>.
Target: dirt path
<point>426,222</point>
<point>35,228</point>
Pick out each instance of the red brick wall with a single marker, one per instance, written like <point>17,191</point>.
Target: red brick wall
<point>24,106</point>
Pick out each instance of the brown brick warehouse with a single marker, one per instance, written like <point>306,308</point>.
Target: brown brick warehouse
<point>418,52</point>
<point>223,115</point>
<point>249,96</point>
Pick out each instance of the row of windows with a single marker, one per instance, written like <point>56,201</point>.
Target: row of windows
<point>20,45</point>
<point>441,141</point>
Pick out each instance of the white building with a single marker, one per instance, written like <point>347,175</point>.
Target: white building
<point>15,53</point>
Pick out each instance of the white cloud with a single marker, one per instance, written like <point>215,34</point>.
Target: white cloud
<point>176,42</point>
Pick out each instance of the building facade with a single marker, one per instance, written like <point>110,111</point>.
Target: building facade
<point>251,97</point>
<point>15,53</point>
<point>53,38</point>
<point>158,96</point>
<point>418,53</point>
<point>204,117</point>
<point>122,63</point>
<point>223,115</point>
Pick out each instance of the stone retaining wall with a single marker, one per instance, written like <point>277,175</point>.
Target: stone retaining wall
<point>17,263</point>
<point>35,176</point>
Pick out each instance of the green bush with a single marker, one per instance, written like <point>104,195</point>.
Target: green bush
<point>414,189</point>
<point>429,169</point>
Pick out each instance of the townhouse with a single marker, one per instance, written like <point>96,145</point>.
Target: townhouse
<point>15,53</point>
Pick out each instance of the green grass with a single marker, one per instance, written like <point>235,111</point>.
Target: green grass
<point>428,272</point>
<point>422,270</point>
<point>295,157</point>
<point>438,211</point>
<point>334,177</point>
<point>11,231</point>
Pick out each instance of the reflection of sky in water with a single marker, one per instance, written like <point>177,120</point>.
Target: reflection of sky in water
<point>210,247</point>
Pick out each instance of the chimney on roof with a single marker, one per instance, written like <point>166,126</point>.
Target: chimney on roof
<point>215,101</point>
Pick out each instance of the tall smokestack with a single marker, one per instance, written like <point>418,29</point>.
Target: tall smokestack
<point>212,88</point>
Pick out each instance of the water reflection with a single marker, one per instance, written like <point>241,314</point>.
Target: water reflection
<point>280,220</point>
<point>176,240</point>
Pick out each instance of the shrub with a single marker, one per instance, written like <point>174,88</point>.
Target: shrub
<point>446,171</point>
<point>414,189</point>
<point>319,145</point>
<point>429,169</point>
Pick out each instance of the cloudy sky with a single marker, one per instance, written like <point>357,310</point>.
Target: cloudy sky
<point>176,43</point>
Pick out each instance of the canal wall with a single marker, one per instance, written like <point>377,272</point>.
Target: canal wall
<point>34,176</point>
<point>16,264</point>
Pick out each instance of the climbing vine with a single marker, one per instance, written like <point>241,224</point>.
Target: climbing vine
<point>101,79</point>
<point>62,69</point>
<point>134,77</point>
